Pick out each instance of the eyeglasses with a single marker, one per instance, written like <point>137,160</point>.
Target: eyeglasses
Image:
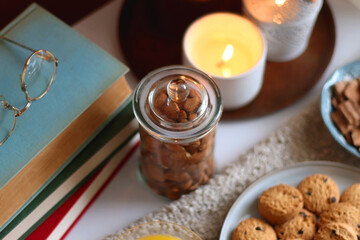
<point>35,81</point>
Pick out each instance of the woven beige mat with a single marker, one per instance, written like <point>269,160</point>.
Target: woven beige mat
<point>303,138</point>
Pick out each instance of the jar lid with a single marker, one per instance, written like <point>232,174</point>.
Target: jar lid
<point>177,104</point>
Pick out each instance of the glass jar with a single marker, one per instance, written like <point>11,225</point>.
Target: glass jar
<point>178,109</point>
<point>287,25</point>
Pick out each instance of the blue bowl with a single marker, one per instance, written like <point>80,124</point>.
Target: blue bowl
<point>345,73</point>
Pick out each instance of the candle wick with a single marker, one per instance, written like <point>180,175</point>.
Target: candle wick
<point>220,64</point>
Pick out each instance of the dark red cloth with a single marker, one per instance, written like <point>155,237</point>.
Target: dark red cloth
<point>69,11</point>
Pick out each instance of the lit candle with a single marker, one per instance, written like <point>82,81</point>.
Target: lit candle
<point>287,24</point>
<point>231,49</point>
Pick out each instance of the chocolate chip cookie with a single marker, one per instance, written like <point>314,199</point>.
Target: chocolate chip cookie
<point>253,229</point>
<point>280,203</point>
<point>342,213</point>
<point>352,195</point>
<point>319,191</point>
<point>336,231</point>
<point>302,226</point>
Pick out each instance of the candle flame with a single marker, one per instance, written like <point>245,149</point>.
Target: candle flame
<point>228,53</point>
<point>280,2</point>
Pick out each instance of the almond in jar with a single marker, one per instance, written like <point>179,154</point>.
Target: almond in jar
<point>178,109</point>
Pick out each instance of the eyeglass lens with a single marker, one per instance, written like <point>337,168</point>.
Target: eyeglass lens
<point>7,122</point>
<point>37,77</point>
<point>39,72</point>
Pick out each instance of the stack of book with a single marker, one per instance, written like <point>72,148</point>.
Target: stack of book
<point>68,143</point>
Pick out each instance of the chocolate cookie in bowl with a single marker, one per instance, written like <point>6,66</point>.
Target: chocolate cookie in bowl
<point>178,109</point>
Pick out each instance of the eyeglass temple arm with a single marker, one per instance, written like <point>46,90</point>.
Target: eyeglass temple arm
<point>16,43</point>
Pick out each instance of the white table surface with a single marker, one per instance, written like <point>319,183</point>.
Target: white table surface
<point>125,199</point>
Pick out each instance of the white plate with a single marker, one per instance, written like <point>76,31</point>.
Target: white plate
<point>246,204</point>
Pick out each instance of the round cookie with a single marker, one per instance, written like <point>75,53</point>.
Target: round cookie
<point>319,191</point>
<point>352,195</point>
<point>253,229</point>
<point>302,226</point>
<point>336,231</point>
<point>342,213</point>
<point>280,203</point>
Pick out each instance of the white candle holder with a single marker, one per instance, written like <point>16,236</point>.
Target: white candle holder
<point>287,25</point>
<point>239,78</point>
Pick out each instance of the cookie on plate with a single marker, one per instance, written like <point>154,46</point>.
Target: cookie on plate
<point>280,203</point>
<point>343,213</point>
<point>319,191</point>
<point>352,195</point>
<point>336,231</point>
<point>253,229</point>
<point>302,226</point>
<point>293,239</point>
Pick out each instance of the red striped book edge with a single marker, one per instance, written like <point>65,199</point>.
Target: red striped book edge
<point>49,225</point>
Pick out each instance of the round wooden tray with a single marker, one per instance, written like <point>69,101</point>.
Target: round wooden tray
<point>151,34</point>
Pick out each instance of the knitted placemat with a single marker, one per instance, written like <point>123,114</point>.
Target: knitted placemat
<point>303,138</point>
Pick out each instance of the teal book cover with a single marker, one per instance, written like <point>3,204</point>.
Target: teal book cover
<point>85,72</point>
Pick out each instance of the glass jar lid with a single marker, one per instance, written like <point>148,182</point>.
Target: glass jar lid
<point>177,104</point>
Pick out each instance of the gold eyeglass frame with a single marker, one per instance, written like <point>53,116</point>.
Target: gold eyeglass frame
<point>29,100</point>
